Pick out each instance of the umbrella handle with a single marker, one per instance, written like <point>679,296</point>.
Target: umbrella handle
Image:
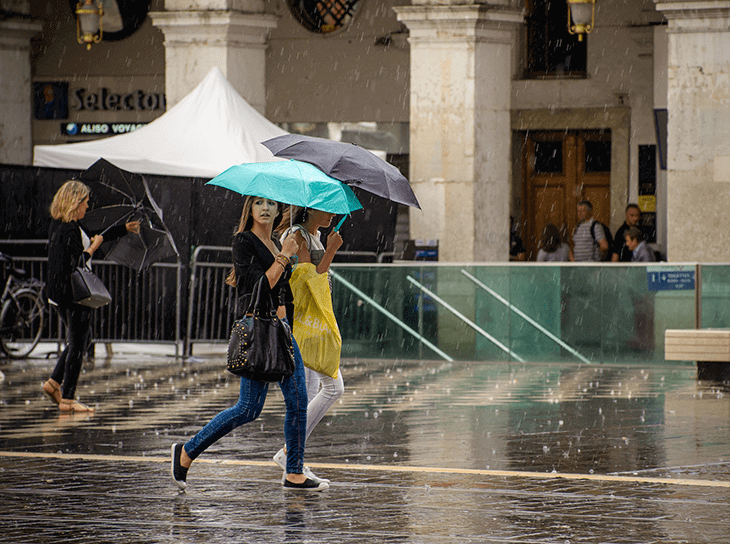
<point>130,214</point>
<point>337,228</point>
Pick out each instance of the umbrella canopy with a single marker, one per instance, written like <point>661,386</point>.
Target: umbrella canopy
<point>349,163</point>
<point>140,251</point>
<point>118,196</point>
<point>289,182</point>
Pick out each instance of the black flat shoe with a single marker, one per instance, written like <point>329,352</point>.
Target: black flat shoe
<point>179,472</point>
<point>306,485</point>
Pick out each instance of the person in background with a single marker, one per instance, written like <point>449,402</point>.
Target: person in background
<point>643,301</point>
<point>516,248</point>
<point>589,240</point>
<point>641,252</point>
<point>552,247</point>
<point>621,253</point>
<point>69,241</point>
<point>255,255</point>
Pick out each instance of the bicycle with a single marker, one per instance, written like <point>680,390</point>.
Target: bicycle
<point>22,312</point>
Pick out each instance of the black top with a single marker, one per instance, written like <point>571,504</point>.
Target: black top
<point>251,260</point>
<point>619,244</point>
<point>515,244</point>
<point>64,249</point>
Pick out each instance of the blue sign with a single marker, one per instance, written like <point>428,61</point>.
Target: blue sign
<point>670,278</point>
<point>103,129</point>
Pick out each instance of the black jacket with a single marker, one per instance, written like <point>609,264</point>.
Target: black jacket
<point>251,260</point>
<point>64,249</point>
<point>619,244</point>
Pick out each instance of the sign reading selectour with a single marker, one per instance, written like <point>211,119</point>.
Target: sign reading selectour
<point>84,100</point>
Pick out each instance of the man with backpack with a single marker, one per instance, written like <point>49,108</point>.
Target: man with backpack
<point>591,239</point>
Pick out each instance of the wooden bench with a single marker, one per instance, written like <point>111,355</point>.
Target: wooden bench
<point>710,348</point>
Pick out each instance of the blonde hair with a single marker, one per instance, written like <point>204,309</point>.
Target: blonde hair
<point>67,200</point>
<point>244,224</point>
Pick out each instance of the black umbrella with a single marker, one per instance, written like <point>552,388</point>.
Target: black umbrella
<point>117,197</point>
<point>349,163</point>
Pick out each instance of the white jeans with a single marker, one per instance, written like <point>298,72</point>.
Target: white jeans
<point>322,392</point>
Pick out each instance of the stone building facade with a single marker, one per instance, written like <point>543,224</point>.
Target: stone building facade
<point>491,118</point>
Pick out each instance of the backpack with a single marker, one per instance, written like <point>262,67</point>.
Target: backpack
<point>607,234</point>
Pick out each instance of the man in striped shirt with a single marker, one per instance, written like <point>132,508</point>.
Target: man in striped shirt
<point>588,246</point>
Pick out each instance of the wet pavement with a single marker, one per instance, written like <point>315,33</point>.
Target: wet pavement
<point>418,452</point>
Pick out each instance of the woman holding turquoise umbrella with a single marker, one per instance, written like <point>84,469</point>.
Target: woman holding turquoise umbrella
<point>257,254</point>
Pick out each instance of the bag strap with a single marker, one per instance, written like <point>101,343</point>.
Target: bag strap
<point>305,234</point>
<point>82,262</point>
<point>261,301</point>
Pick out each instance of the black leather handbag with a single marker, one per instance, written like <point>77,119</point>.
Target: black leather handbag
<point>86,287</point>
<point>260,347</point>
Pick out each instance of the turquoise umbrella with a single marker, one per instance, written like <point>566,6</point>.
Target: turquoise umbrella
<point>290,182</point>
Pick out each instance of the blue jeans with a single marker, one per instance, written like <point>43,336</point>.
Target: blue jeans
<point>250,403</point>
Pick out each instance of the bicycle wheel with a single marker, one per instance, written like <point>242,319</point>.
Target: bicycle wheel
<point>22,323</point>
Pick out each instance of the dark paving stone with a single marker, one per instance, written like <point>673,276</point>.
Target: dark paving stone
<point>498,435</point>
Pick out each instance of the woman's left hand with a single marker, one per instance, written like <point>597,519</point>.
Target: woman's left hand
<point>133,226</point>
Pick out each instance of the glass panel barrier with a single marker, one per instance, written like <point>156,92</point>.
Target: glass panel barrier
<point>526,312</point>
<point>715,296</point>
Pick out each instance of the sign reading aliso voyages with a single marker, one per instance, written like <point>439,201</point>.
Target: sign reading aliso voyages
<point>79,129</point>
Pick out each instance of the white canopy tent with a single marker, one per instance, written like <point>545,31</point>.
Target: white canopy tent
<point>210,130</point>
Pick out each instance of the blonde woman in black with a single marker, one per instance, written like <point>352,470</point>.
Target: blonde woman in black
<point>70,241</point>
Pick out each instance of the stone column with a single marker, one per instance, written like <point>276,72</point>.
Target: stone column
<point>16,89</point>
<point>461,72</point>
<point>698,149</point>
<point>229,34</point>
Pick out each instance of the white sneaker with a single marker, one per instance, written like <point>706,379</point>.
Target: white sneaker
<point>280,459</point>
<point>309,474</point>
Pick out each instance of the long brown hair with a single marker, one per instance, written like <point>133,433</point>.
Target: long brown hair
<point>244,224</point>
<point>300,216</point>
<point>551,238</point>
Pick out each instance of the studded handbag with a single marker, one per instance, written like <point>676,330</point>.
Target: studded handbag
<point>260,347</point>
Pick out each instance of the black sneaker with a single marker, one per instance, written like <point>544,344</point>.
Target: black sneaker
<point>307,485</point>
<point>179,472</point>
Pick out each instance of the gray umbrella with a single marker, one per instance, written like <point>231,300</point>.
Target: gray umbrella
<point>349,163</point>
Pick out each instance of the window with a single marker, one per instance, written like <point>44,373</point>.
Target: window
<point>323,16</point>
<point>551,51</point>
<point>548,157</point>
<point>598,156</point>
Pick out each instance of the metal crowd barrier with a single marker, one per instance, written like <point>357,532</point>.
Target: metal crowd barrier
<point>145,307</point>
<point>211,302</point>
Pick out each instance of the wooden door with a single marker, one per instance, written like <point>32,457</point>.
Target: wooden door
<point>562,168</point>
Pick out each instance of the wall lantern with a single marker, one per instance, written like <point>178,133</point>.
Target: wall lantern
<point>89,28</point>
<point>581,17</point>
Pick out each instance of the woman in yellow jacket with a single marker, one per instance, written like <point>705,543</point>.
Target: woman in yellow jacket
<point>322,390</point>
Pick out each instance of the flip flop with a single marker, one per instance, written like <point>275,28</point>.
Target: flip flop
<point>53,391</point>
<point>67,405</point>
